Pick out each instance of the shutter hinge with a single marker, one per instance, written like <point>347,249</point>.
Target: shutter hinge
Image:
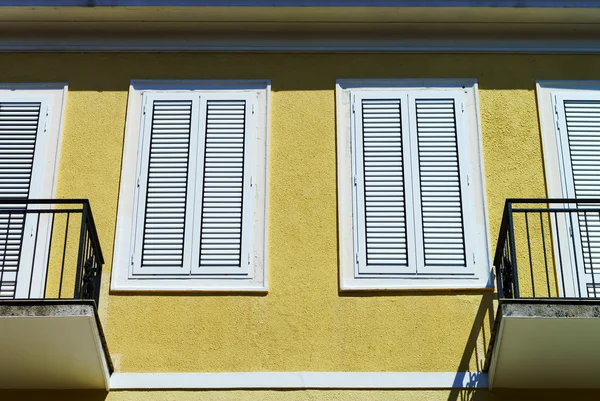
<point>138,182</point>
<point>353,109</point>
<point>253,108</point>
<point>46,120</point>
<point>132,258</point>
<point>251,181</point>
<point>473,257</point>
<point>248,258</point>
<point>356,256</point>
<point>571,231</point>
<point>462,107</point>
<point>354,180</point>
<point>557,116</point>
<point>468,180</point>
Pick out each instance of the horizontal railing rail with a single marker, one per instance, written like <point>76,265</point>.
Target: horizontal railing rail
<point>549,248</point>
<point>49,249</point>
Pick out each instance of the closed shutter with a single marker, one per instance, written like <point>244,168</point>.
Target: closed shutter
<point>439,184</point>
<point>19,128</point>
<point>225,194</point>
<point>380,186</point>
<point>164,185</point>
<point>583,138</point>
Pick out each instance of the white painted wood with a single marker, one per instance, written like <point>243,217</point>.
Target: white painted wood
<point>578,127</point>
<point>164,201</point>
<point>30,127</point>
<point>225,197</point>
<point>473,270</point>
<point>298,380</point>
<point>195,277</point>
<point>384,241</point>
<point>442,197</point>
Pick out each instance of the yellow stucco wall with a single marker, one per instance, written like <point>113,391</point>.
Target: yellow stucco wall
<point>304,323</point>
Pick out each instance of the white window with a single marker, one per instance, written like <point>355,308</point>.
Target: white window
<point>31,118</point>
<point>193,187</point>
<point>570,126</point>
<point>411,199</point>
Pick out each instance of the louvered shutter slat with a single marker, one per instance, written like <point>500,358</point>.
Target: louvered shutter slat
<point>383,176</point>
<point>167,186</point>
<point>19,125</point>
<point>440,185</point>
<point>223,182</point>
<point>583,133</point>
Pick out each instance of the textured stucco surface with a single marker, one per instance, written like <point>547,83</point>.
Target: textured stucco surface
<point>554,310</point>
<point>304,323</point>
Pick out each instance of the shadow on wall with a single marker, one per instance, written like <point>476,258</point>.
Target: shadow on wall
<point>476,348</point>
<point>113,71</point>
<point>53,395</point>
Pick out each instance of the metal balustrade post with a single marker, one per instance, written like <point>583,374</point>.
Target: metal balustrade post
<point>80,254</point>
<point>513,252</point>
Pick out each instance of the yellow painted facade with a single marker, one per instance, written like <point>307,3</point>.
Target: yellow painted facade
<point>304,323</point>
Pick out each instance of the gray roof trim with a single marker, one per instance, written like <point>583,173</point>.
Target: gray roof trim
<point>306,3</point>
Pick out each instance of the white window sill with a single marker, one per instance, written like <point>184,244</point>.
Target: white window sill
<point>190,285</point>
<point>417,284</point>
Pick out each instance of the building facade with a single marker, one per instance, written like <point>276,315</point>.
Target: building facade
<point>300,201</point>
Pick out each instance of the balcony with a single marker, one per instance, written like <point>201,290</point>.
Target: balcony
<point>50,274</point>
<point>547,266</point>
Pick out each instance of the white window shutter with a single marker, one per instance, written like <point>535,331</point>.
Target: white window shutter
<point>440,166</point>
<point>383,224</point>
<point>164,184</point>
<point>580,142</point>
<point>19,130</point>
<point>224,222</point>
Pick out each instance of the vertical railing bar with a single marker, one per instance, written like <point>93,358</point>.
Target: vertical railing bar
<point>562,276</point>
<point>545,256</point>
<point>87,251</point>
<point>529,252</point>
<point>37,230</point>
<point>97,261</point>
<point>587,233</point>
<point>49,253</point>
<point>62,268</point>
<point>513,254</point>
<point>4,254</point>
<point>77,291</point>
<point>499,270</point>
<point>575,250</point>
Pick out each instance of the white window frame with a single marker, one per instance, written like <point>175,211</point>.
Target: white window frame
<point>559,179</point>
<point>481,276</point>
<point>53,97</point>
<point>123,278</point>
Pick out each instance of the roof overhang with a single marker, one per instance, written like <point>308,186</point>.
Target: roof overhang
<point>308,25</point>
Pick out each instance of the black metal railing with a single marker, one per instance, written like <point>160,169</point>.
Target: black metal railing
<point>49,249</point>
<point>549,248</point>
